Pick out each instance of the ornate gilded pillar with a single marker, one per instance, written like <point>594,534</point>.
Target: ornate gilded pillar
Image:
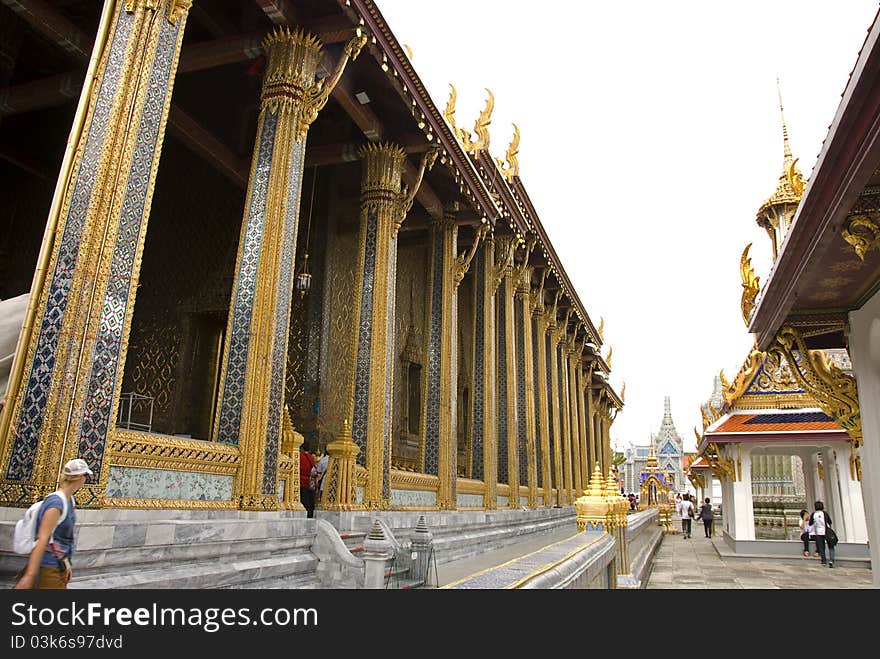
<point>439,444</point>
<point>384,205</point>
<point>572,355</point>
<point>542,380</point>
<point>553,390</point>
<point>525,394</point>
<point>582,418</point>
<point>255,354</point>
<point>485,449</point>
<point>589,417</point>
<point>446,272</point>
<point>64,386</point>
<point>564,408</point>
<point>507,446</point>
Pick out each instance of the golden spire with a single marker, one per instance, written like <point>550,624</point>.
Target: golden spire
<point>785,144</point>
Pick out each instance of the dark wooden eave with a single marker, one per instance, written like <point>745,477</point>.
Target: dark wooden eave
<point>849,157</point>
<point>397,61</point>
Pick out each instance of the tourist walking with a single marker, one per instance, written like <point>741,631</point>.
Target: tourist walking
<point>686,511</point>
<point>49,565</point>
<point>820,522</point>
<point>707,517</point>
<point>306,488</point>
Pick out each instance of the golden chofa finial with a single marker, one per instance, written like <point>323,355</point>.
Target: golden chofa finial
<point>608,358</point>
<point>511,169</point>
<point>601,328</point>
<point>750,284</point>
<point>481,127</point>
<point>449,112</point>
<point>623,393</point>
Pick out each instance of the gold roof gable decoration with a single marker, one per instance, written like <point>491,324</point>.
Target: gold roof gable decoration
<point>750,283</point>
<point>481,127</point>
<point>511,168</point>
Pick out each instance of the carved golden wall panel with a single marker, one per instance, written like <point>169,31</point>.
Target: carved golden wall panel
<point>343,253</point>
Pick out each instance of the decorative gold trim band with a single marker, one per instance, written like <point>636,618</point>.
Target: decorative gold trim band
<point>177,504</point>
<point>405,480</point>
<point>128,448</point>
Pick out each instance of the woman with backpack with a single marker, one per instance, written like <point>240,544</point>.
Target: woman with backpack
<point>48,565</point>
<point>820,522</point>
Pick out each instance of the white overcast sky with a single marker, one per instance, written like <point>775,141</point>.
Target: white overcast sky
<point>650,136</point>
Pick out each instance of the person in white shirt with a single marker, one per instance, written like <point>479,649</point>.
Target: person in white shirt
<point>686,510</point>
<point>820,521</point>
<point>806,531</point>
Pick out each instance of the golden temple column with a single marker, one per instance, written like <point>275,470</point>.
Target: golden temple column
<point>553,390</point>
<point>525,387</point>
<point>565,408</point>
<point>589,417</point>
<point>447,269</point>
<point>542,380</point>
<point>507,447</point>
<point>582,419</point>
<point>255,354</point>
<point>572,355</point>
<point>384,206</point>
<point>438,446</point>
<point>64,386</point>
<point>485,447</point>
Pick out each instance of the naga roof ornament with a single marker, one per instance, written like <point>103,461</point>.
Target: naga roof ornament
<point>481,127</point>
<point>511,168</point>
<point>750,284</point>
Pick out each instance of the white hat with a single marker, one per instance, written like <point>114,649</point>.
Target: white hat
<point>76,467</point>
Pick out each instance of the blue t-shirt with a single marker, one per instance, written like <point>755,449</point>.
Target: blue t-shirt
<point>63,534</point>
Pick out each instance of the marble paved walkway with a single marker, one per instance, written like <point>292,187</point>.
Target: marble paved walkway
<point>695,563</point>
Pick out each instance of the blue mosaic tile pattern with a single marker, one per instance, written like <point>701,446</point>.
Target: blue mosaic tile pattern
<point>137,483</point>
<point>282,316</point>
<point>521,439</point>
<point>538,435</point>
<point>105,355</point>
<point>389,367</point>
<point>551,408</point>
<point>232,396</point>
<point>479,396</point>
<point>415,498</point>
<point>501,379</point>
<point>435,328</point>
<point>365,338</point>
<point>30,421</point>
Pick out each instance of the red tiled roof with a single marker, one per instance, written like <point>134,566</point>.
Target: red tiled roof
<point>749,423</point>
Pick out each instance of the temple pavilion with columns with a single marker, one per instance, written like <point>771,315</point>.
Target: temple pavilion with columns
<point>253,227</point>
<point>784,433</point>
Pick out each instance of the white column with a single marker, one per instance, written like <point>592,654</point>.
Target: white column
<point>854,527</point>
<point>744,512</point>
<point>728,510</point>
<point>864,348</point>
<point>808,460</point>
<point>832,492</point>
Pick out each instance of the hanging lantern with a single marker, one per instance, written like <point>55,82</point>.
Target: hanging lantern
<point>303,281</point>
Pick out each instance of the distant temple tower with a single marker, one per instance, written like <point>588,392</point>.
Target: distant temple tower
<point>777,213</point>
<point>670,449</point>
<point>668,458</point>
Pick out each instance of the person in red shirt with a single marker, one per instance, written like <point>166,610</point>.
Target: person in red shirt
<point>306,491</point>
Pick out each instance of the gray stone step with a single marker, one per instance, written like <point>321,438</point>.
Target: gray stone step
<point>206,574</point>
